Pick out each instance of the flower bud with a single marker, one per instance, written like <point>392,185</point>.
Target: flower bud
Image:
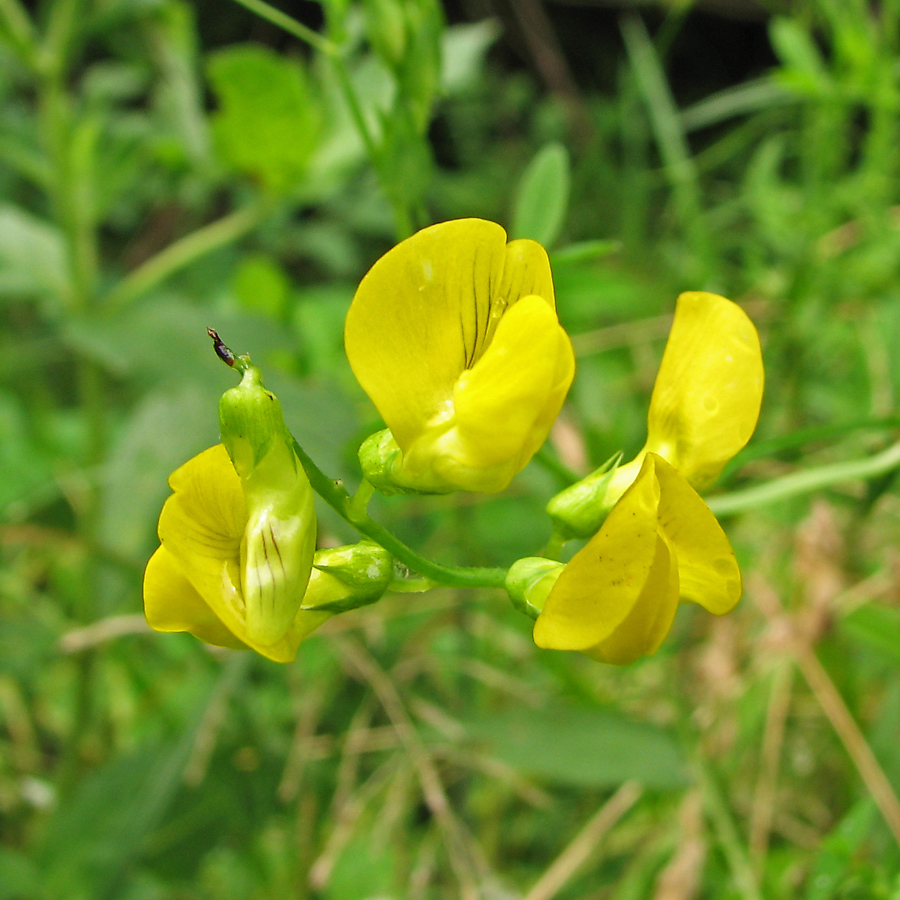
<point>345,578</point>
<point>250,418</point>
<point>379,457</point>
<point>529,581</point>
<point>579,510</point>
<point>280,536</point>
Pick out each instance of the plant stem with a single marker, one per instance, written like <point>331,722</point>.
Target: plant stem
<point>336,496</point>
<point>183,252</point>
<point>291,26</point>
<point>806,481</point>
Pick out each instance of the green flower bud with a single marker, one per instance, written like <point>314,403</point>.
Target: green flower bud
<point>580,510</point>
<point>280,536</point>
<point>250,418</point>
<point>345,578</point>
<point>529,582</point>
<point>379,456</point>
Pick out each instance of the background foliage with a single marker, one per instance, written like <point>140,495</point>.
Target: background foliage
<point>171,165</point>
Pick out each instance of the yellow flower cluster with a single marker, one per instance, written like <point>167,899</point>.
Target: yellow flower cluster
<point>454,336</point>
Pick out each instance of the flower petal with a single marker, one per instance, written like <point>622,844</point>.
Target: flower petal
<point>708,571</point>
<point>423,314</point>
<point>501,402</point>
<point>172,604</point>
<point>605,580</point>
<point>201,525</point>
<point>651,617</point>
<point>709,388</point>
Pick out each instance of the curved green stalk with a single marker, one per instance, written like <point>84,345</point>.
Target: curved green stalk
<point>183,252</point>
<point>805,481</point>
<point>335,495</point>
<point>291,26</point>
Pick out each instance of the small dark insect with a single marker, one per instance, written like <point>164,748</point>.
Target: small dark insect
<point>222,351</point>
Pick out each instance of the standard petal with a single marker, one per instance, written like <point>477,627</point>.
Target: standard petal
<point>526,272</point>
<point>172,604</point>
<point>709,388</point>
<point>651,617</point>
<point>708,571</point>
<point>425,312</point>
<point>501,402</point>
<point>604,581</point>
<point>201,525</point>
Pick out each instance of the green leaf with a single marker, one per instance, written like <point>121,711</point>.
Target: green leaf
<point>543,196</point>
<point>363,872</point>
<point>19,878</point>
<point>463,53</point>
<point>268,123</point>
<point>803,68</point>
<point>582,746</point>
<point>167,428</point>
<point>95,836</point>
<point>32,255</point>
<point>876,626</point>
<point>262,286</point>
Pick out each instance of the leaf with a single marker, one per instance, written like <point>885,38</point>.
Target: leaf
<point>262,286</point>
<point>583,747</point>
<point>95,836</point>
<point>267,124</point>
<point>167,428</point>
<point>24,468</point>
<point>543,196</point>
<point>464,49</point>
<point>19,878</point>
<point>363,871</point>
<point>878,627</point>
<point>803,68</point>
<point>32,255</point>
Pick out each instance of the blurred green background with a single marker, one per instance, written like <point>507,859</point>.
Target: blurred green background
<point>169,165</point>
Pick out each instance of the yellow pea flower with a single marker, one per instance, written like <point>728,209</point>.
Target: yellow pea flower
<point>219,570</point>
<point>197,580</point>
<point>454,336</point>
<point>660,544</point>
<point>703,409</point>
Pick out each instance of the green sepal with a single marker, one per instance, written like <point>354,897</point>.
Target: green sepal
<point>250,420</point>
<point>349,577</point>
<point>529,582</point>
<point>379,458</point>
<point>580,510</point>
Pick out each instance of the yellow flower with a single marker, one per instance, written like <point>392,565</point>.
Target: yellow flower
<point>660,544</point>
<point>454,336</point>
<point>231,572</point>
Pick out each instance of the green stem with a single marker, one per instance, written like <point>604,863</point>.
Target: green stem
<point>806,481</point>
<point>336,496</point>
<point>291,26</point>
<point>359,503</point>
<point>555,545</point>
<point>183,252</point>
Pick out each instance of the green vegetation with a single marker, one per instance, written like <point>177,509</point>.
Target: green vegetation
<point>158,177</point>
